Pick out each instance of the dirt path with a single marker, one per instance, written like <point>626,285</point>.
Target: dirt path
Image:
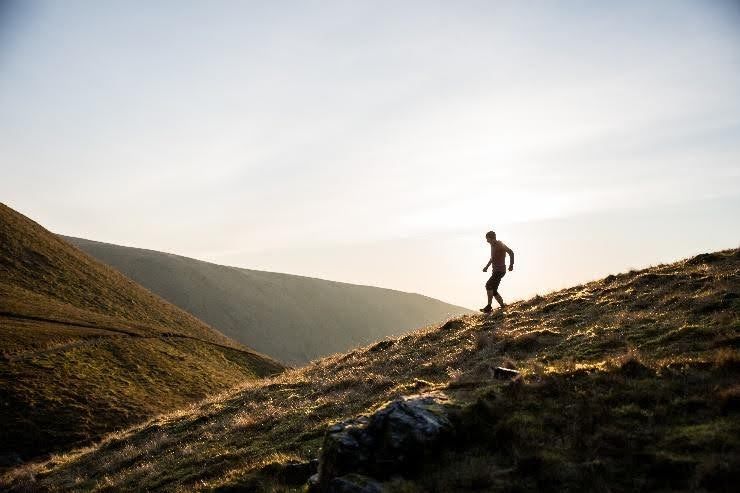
<point>95,339</point>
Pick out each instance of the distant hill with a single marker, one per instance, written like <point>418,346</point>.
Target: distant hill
<point>84,350</point>
<point>629,383</point>
<point>292,318</point>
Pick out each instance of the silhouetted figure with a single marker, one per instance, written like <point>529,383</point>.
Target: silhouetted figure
<point>498,263</point>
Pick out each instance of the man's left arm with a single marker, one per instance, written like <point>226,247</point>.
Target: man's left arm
<point>511,258</point>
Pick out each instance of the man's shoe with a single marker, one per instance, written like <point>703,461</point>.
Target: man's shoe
<point>486,309</point>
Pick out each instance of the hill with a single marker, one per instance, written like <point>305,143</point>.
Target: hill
<point>86,350</point>
<point>292,318</point>
<point>629,383</point>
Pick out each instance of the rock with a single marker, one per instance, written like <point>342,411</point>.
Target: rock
<point>394,439</point>
<point>10,460</point>
<point>381,346</point>
<point>633,368</point>
<point>704,258</point>
<point>354,483</point>
<point>504,373</point>
<point>347,447</point>
<point>452,325</point>
<point>406,428</point>
<point>294,473</point>
<point>313,483</point>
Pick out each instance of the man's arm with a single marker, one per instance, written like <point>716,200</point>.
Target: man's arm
<point>490,260</point>
<point>511,258</point>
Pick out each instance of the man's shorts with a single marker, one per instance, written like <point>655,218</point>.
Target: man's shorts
<point>495,280</point>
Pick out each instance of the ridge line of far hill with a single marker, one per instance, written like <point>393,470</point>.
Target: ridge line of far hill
<point>294,319</point>
<point>75,239</point>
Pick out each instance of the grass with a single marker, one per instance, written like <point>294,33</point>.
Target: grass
<point>614,395</point>
<point>85,351</point>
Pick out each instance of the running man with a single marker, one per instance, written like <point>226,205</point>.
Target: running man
<point>498,263</point>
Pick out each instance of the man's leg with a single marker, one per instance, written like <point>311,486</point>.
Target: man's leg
<point>489,291</point>
<point>494,287</point>
<point>498,298</point>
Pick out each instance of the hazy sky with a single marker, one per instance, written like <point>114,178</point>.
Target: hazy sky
<point>376,142</point>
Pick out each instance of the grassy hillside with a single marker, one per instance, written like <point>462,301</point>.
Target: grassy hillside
<point>292,318</point>
<point>627,384</point>
<point>85,350</point>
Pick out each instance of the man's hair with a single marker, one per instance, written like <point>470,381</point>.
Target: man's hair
<point>491,234</point>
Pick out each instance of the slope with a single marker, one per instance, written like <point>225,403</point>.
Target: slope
<point>292,318</point>
<point>85,350</point>
<point>627,384</point>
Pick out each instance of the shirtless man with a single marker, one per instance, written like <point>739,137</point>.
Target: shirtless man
<point>498,263</point>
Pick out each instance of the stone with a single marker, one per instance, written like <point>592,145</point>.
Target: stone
<point>354,483</point>
<point>397,437</point>
<point>347,447</point>
<point>704,258</point>
<point>313,483</point>
<point>381,346</point>
<point>504,373</point>
<point>294,473</point>
<point>406,428</point>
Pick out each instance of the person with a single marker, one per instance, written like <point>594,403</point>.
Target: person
<point>498,269</point>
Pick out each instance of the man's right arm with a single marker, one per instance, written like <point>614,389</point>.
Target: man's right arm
<point>511,258</point>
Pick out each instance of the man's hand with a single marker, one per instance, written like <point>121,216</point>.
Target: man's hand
<point>485,269</point>
<point>511,267</point>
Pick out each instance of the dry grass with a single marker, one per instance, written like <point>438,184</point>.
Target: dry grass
<point>614,397</point>
<point>86,351</point>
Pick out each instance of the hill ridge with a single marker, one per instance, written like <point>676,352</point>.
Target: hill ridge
<point>69,238</point>
<point>292,318</point>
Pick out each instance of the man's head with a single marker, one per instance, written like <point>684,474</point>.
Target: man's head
<point>490,237</point>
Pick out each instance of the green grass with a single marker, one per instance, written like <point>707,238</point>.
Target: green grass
<point>614,395</point>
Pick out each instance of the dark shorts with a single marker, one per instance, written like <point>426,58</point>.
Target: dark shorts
<point>495,280</point>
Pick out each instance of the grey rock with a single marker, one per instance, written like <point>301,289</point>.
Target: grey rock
<point>406,428</point>
<point>347,448</point>
<point>313,483</point>
<point>10,460</point>
<point>504,373</point>
<point>395,438</point>
<point>354,483</point>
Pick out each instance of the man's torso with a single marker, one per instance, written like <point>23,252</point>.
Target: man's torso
<point>498,256</point>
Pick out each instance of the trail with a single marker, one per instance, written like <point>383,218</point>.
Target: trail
<point>96,339</point>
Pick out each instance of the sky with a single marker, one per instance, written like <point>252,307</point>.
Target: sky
<point>376,142</point>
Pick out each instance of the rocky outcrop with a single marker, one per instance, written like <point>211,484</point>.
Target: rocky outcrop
<point>354,483</point>
<point>360,452</point>
<point>504,373</point>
